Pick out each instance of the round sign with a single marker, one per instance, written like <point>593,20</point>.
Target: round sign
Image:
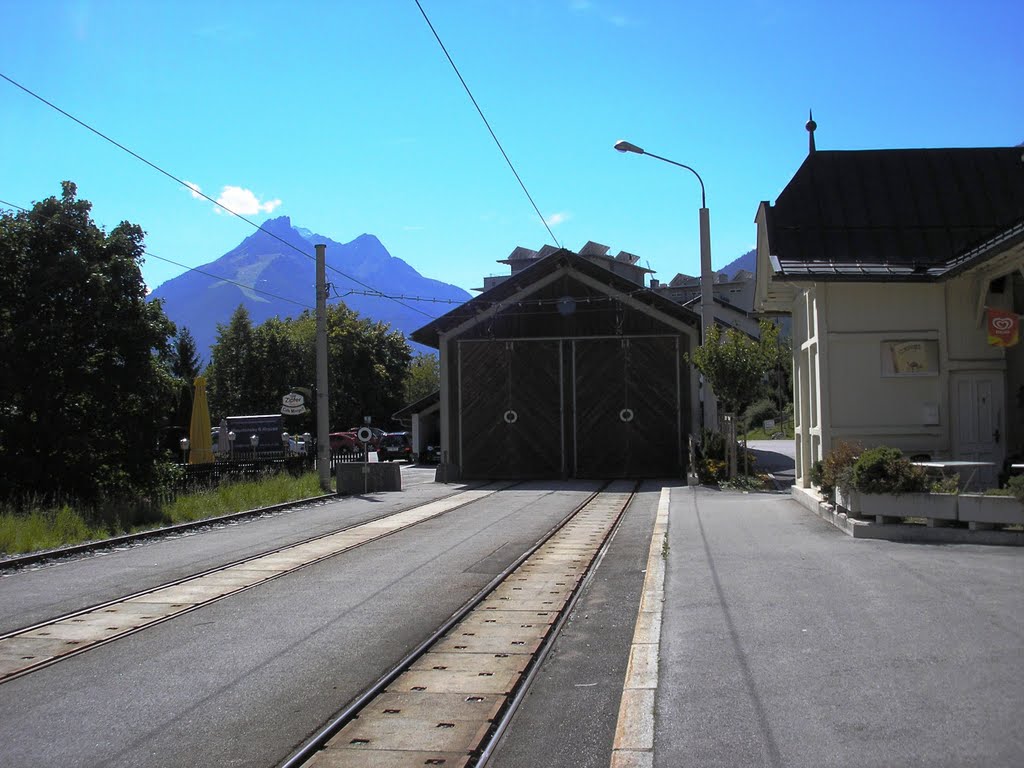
<point>365,434</point>
<point>511,417</point>
<point>626,414</point>
<point>293,400</point>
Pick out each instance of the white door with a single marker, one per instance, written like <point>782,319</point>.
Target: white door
<point>978,427</point>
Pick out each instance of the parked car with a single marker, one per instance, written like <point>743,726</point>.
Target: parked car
<point>345,442</point>
<point>374,441</point>
<point>395,445</point>
<point>432,455</point>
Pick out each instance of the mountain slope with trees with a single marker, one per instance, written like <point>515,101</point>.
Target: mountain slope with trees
<point>278,261</point>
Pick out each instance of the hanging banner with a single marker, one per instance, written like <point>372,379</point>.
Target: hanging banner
<point>1003,327</point>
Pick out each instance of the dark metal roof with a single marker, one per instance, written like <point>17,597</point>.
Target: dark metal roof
<point>429,334</point>
<point>420,405</point>
<point>911,214</point>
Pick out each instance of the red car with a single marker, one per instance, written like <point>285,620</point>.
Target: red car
<point>345,442</point>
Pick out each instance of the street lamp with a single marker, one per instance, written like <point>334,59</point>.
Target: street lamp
<point>231,443</point>
<point>254,441</point>
<point>707,307</point>
<point>183,444</point>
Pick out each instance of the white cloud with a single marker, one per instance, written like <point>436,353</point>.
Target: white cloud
<point>244,201</point>
<point>556,218</point>
<point>195,189</point>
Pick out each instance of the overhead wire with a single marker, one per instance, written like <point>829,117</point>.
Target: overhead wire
<point>195,191</point>
<point>489,129</point>
<point>197,269</point>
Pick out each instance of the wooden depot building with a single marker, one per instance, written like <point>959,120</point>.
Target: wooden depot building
<point>568,368</point>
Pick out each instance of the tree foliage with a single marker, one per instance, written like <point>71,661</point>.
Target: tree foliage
<point>252,367</point>
<point>737,366</point>
<point>84,386</point>
<point>424,377</point>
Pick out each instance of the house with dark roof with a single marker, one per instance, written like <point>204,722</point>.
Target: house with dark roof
<point>891,263</point>
<point>567,368</point>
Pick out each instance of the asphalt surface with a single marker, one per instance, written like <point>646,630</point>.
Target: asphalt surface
<point>244,680</point>
<point>788,643</point>
<point>784,641</point>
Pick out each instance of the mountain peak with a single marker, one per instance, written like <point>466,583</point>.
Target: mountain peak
<point>281,223</point>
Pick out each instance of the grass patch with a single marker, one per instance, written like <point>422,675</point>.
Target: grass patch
<point>45,529</point>
<point>32,528</point>
<point>240,496</point>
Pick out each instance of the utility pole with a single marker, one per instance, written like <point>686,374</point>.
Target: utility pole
<point>323,440</point>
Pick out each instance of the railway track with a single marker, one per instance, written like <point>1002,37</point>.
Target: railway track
<point>449,701</point>
<point>31,648</point>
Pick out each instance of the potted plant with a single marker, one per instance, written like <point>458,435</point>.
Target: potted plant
<point>997,506</point>
<point>836,476</point>
<point>895,488</point>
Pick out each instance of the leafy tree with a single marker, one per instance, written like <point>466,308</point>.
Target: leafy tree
<point>736,367</point>
<point>424,377</point>
<point>232,375</point>
<point>183,362</point>
<point>84,387</point>
<point>185,356</point>
<point>252,368</point>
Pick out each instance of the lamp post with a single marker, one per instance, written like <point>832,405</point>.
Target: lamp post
<point>707,307</point>
<point>254,441</point>
<point>231,444</point>
<point>184,444</point>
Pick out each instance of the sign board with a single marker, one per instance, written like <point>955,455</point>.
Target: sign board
<point>267,427</point>
<point>293,400</point>
<point>769,424</point>
<point>293,410</point>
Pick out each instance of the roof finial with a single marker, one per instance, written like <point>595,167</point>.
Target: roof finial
<point>811,125</point>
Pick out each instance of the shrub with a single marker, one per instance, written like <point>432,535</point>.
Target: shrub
<point>837,466</point>
<point>1015,485</point>
<point>817,473</point>
<point>886,470</point>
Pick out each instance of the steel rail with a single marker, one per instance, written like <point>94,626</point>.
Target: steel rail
<point>316,742</point>
<point>523,685</point>
<point>217,569</point>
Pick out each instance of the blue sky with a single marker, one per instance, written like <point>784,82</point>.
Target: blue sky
<point>346,116</point>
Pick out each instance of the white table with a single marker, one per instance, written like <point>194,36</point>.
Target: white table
<point>974,466</point>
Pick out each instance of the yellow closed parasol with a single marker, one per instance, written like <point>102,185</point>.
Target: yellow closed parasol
<point>199,431</point>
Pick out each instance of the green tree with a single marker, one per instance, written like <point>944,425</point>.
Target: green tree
<point>184,365</point>
<point>424,377</point>
<point>232,377</point>
<point>84,388</point>
<point>252,368</point>
<point>737,366</point>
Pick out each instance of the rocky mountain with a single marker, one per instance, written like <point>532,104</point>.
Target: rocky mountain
<point>200,302</point>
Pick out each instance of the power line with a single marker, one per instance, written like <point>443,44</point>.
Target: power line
<point>192,189</point>
<point>196,269</point>
<point>490,130</point>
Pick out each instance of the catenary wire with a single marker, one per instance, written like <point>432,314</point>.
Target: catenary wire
<point>489,129</point>
<point>171,176</point>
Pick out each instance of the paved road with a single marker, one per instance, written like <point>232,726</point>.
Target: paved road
<point>787,643</point>
<point>242,681</point>
<point>784,642</point>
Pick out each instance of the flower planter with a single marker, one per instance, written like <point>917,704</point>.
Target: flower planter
<point>849,500</point>
<point>934,506</point>
<point>997,510</point>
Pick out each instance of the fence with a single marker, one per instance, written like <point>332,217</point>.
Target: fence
<point>199,476</point>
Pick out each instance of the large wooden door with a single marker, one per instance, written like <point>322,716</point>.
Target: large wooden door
<point>627,409</point>
<point>510,408</point>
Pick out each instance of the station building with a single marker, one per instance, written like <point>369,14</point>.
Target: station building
<point>567,368</point>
